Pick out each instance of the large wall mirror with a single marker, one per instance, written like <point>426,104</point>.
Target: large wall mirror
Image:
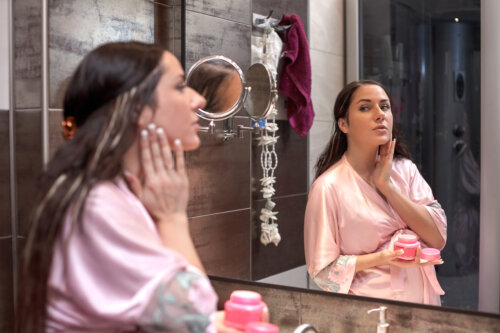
<point>404,43</point>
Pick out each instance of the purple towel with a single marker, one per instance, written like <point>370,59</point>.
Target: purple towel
<point>295,78</point>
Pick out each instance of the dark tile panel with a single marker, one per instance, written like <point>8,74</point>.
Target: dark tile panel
<point>219,175</point>
<point>281,7</point>
<point>284,305</point>
<point>208,35</point>
<point>6,287</point>
<point>223,243</point>
<point>165,27</point>
<point>55,130</point>
<point>5,216</point>
<point>233,10</point>
<point>27,53</point>
<point>269,260</point>
<point>77,27</point>
<point>28,163</point>
<point>351,316</point>
<point>169,2</point>
<point>291,171</point>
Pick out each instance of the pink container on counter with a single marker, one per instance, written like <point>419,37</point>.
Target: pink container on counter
<point>243,307</point>
<point>261,327</point>
<point>430,254</point>
<point>409,244</point>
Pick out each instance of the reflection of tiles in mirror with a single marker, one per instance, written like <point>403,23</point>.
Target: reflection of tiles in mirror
<point>458,296</point>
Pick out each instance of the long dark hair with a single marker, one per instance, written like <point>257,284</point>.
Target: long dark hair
<point>105,96</point>
<point>338,143</point>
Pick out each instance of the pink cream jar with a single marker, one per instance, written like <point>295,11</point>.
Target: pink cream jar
<point>261,327</point>
<point>409,244</point>
<point>429,254</point>
<point>243,307</point>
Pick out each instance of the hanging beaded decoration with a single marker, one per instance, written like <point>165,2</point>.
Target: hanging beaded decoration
<point>268,156</point>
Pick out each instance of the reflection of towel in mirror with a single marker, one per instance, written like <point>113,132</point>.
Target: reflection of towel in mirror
<point>295,79</point>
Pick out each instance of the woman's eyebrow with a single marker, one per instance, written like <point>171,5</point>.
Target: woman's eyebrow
<point>369,100</point>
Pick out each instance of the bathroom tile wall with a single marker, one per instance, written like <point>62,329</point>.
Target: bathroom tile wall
<point>290,307</point>
<point>291,178</point>
<point>327,60</point>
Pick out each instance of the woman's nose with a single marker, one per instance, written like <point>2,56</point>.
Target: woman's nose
<point>197,101</point>
<point>380,113</point>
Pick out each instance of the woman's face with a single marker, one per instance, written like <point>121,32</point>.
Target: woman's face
<point>177,105</point>
<point>369,117</point>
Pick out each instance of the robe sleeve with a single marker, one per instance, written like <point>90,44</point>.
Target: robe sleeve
<point>329,269</point>
<point>116,269</point>
<point>421,193</point>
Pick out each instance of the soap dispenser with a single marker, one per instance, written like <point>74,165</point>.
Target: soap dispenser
<point>382,323</point>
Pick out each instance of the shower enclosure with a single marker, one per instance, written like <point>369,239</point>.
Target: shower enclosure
<point>427,54</point>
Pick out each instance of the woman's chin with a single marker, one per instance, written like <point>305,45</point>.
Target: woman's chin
<point>192,144</point>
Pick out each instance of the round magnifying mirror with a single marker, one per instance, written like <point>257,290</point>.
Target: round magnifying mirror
<point>262,93</point>
<point>221,81</point>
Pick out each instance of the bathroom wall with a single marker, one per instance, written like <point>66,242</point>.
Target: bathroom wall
<point>225,197</point>
<point>5,217</point>
<point>328,77</point>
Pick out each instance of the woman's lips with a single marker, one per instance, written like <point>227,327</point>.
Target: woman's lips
<point>380,129</point>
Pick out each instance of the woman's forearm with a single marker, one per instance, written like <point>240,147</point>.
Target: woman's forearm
<point>370,260</point>
<point>416,217</point>
<point>176,236</point>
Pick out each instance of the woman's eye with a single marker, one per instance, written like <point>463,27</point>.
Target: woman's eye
<point>181,87</point>
<point>364,108</point>
<point>385,107</point>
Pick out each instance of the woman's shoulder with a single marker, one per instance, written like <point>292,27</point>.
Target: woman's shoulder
<point>111,194</point>
<point>403,164</point>
<point>333,176</point>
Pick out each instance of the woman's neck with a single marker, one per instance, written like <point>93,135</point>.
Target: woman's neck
<point>131,160</point>
<point>362,160</point>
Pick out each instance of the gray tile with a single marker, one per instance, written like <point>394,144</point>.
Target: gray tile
<point>233,10</point>
<point>219,176</point>
<point>27,53</point>
<point>281,7</point>
<point>223,243</point>
<point>6,287</point>
<point>208,35</point>
<point>269,259</point>
<point>55,131</point>
<point>28,163</point>
<point>291,170</point>
<point>5,213</point>
<point>77,27</point>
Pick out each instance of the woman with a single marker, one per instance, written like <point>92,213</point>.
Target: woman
<point>367,192</point>
<point>109,249</point>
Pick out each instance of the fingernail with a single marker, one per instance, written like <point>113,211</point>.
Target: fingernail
<point>177,142</point>
<point>144,133</point>
<point>159,130</point>
<point>152,126</point>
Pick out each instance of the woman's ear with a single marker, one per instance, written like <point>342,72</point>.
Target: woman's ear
<point>341,123</point>
<point>146,117</point>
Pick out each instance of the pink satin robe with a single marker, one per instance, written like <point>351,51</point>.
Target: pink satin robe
<point>116,275</point>
<point>346,217</point>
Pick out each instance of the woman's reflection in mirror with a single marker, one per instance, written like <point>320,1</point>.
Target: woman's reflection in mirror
<point>219,82</point>
<point>367,192</point>
<point>109,248</point>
